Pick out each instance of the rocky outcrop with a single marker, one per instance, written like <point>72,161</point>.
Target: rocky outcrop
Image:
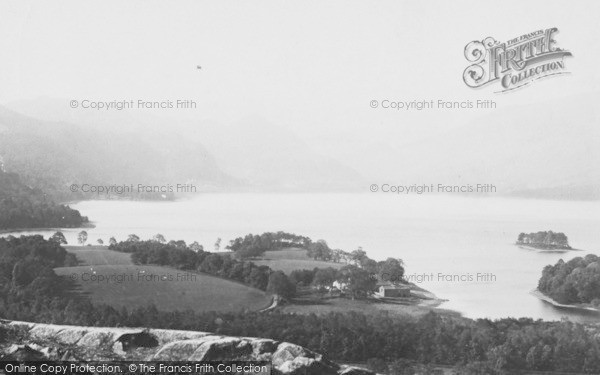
<point>33,341</point>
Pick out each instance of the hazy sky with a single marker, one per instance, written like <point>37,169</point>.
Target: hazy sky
<point>311,66</point>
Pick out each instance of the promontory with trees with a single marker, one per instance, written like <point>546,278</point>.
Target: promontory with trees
<point>576,282</point>
<point>358,278</point>
<point>545,240</point>
<point>24,207</point>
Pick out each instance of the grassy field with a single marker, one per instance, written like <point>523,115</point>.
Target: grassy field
<point>292,259</point>
<point>107,276</point>
<point>99,255</point>
<point>310,304</point>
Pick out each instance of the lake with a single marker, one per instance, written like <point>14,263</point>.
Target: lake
<point>454,238</point>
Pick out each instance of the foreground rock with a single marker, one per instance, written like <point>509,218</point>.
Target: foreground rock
<point>32,341</point>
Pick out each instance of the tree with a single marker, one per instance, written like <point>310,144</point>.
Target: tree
<point>562,240</point>
<point>160,238</point>
<point>303,277</point>
<point>218,244</point>
<point>82,237</point>
<point>133,238</point>
<point>180,244</point>
<point>25,271</point>
<point>338,255</point>
<point>324,277</point>
<point>319,250</point>
<point>369,265</point>
<point>358,256</point>
<point>251,251</point>
<point>59,238</point>
<point>259,277</point>
<point>112,241</point>
<point>360,283</point>
<point>549,238</point>
<point>391,270</point>
<point>212,264</point>
<point>196,247</point>
<point>100,242</point>
<point>280,285</point>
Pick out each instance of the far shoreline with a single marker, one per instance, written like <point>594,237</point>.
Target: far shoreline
<point>558,250</point>
<point>89,225</point>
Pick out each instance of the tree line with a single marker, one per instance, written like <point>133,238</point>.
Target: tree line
<point>178,255</point>
<point>253,245</point>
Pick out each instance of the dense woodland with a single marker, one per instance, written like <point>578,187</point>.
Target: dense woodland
<point>27,263</point>
<point>31,291</point>
<point>24,207</point>
<point>544,240</point>
<point>575,281</point>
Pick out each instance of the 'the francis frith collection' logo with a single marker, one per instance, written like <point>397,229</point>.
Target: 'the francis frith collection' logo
<point>514,63</point>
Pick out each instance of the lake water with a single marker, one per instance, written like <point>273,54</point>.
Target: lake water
<point>447,235</point>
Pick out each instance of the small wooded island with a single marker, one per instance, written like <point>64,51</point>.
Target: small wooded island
<point>544,240</point>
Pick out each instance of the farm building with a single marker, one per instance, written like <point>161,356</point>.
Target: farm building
<point>393,291</point>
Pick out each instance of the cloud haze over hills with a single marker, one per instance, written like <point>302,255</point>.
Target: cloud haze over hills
<point>546,149</point>
<point>285,107</point>
<point>247,155</point>
<point>53,155</point>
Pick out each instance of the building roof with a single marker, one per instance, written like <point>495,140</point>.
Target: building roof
<point>391,287</point>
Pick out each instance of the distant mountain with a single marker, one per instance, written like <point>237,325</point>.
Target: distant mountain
<point>55,155</point>
<point>260,156</point>
<point>543,150</point>
<point>271,158</point>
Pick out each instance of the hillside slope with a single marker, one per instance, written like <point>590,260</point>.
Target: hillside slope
<point>54,155</point>
<point>260,155</point>
<point>22,206</point>
<point>168,288</point>
<point>271,157</point>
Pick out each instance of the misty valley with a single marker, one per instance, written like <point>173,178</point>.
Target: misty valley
<point>200,187</point>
